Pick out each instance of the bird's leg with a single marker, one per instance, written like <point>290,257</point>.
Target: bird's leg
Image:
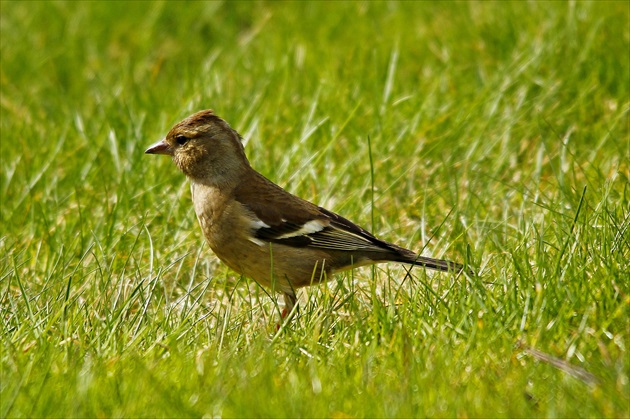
<point>290,300</point>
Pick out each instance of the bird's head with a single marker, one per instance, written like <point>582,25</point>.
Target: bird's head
<point>205,148</point>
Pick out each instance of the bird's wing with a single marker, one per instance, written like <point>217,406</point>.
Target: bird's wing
<point>280,217</point>
<point>328,231</point>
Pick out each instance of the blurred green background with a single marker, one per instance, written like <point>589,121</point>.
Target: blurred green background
<point>498,135</point>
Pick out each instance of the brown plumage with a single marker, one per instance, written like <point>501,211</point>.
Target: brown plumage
<point>260,230</point>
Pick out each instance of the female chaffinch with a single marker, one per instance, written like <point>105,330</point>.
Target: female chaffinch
<point>260,230</point>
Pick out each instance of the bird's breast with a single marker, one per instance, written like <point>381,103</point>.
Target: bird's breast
<point>223,221</point>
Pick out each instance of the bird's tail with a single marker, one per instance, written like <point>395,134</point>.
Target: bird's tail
<point>437,264</point>
<point>430,263</point>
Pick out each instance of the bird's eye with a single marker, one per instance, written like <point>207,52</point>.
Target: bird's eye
<point>181,139</point>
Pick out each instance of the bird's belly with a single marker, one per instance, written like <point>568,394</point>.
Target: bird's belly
<point>281,268</point>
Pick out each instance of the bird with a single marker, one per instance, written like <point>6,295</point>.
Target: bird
<point>260,230</point>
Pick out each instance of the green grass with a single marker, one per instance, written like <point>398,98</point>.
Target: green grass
<point>498,136</point>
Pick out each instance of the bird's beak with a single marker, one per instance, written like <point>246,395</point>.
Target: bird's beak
<point>161,147</point>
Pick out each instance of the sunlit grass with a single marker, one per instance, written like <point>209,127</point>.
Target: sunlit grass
<point>492,135</point>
